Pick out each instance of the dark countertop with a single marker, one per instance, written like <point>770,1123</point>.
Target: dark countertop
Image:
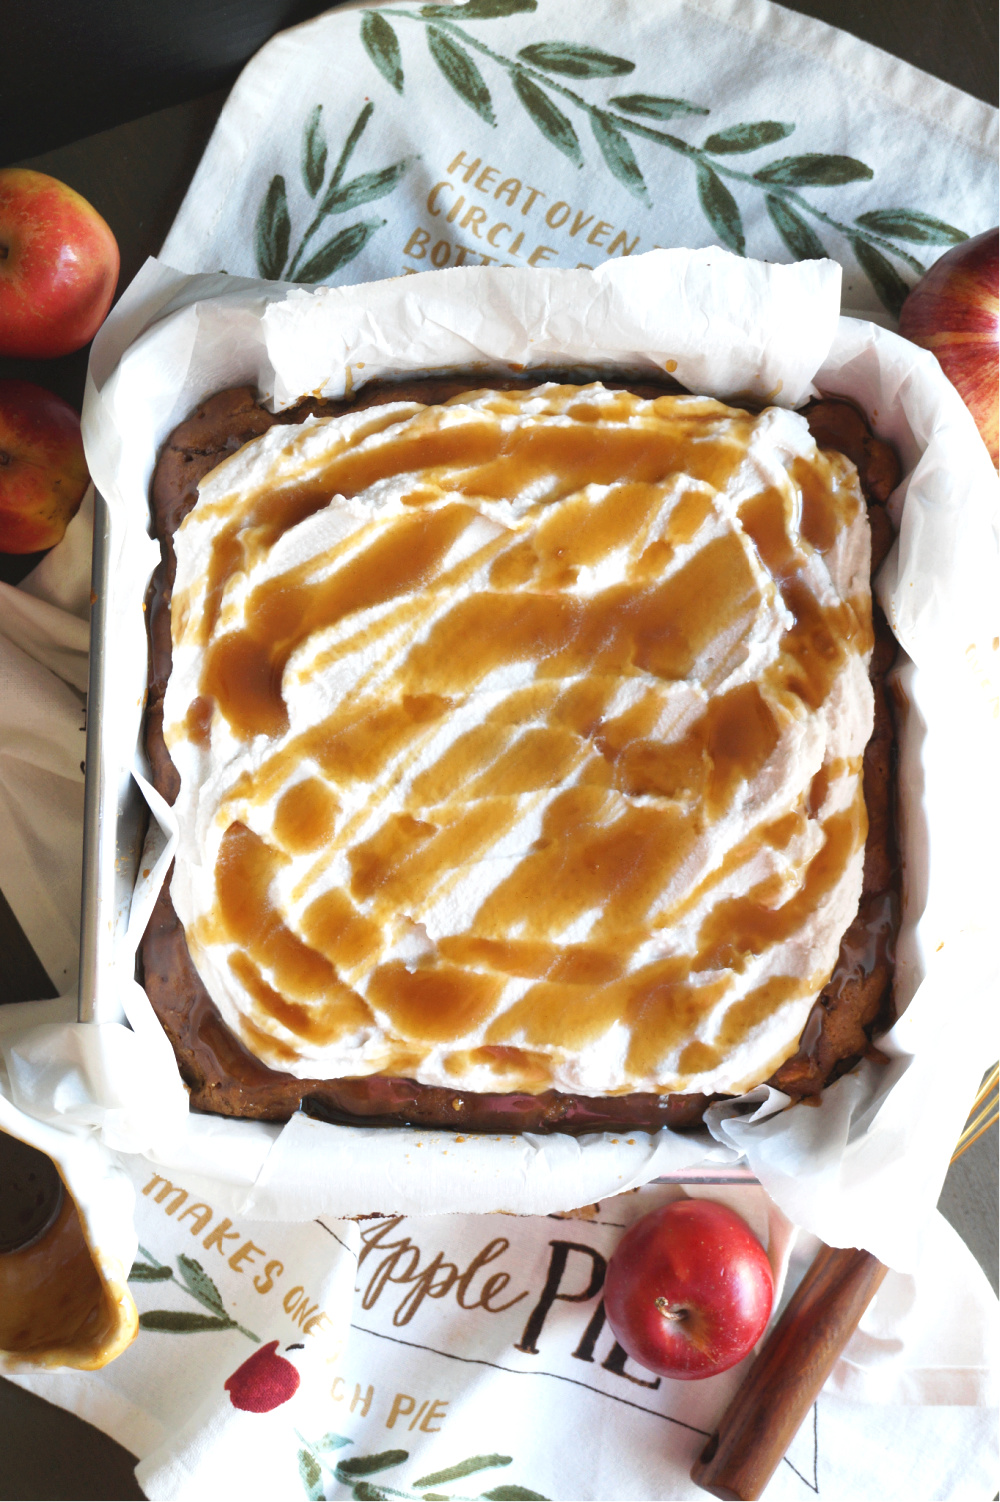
<point>183,55</point>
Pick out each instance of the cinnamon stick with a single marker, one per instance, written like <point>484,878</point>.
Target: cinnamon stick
<point>785,1380</point>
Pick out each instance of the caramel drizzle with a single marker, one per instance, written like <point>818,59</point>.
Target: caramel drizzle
<point>596,751</point>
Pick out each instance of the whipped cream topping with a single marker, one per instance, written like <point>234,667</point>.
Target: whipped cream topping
<point>520,739</point>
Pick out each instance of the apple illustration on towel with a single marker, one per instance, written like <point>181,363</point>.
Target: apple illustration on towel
<point>264,1381</point>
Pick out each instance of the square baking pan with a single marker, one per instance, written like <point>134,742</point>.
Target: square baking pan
<point>863,363</point>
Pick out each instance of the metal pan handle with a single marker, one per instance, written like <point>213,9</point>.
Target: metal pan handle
<point>114,811</point>
<point>95,940</point>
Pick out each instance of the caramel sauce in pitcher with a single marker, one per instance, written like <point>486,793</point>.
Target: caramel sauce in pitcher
<point>55,1309</point>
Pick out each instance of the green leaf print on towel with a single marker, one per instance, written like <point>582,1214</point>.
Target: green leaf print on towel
<point>354,1472</point>
<point>273,227</point>
<point>538,74</point>
<point>195,1282</point>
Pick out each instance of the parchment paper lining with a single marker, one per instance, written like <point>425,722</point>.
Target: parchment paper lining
<point>864,1167</point>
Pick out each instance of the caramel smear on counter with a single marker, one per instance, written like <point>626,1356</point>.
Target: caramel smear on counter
<point>521,739</point>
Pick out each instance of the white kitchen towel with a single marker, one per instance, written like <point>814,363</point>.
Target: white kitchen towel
<point>44,636</point>
<point>373,142</point>
<point>468,1357</point>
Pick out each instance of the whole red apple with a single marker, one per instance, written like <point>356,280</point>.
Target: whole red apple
<point>58,266</point>
<point>953,310</point>
<point>689,1289</point>
<point>43,473</point>
<point>264,1381</point>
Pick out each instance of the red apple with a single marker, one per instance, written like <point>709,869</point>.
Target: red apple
<point>58,266</point>
<point>43,473</point>
<point>689,1290</point>
<point>953,311</point>
<point>264,1381</point>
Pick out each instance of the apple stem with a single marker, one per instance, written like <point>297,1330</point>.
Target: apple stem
<point>668,1313</point>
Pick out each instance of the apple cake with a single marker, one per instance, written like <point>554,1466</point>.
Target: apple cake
<point>530,753</point>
